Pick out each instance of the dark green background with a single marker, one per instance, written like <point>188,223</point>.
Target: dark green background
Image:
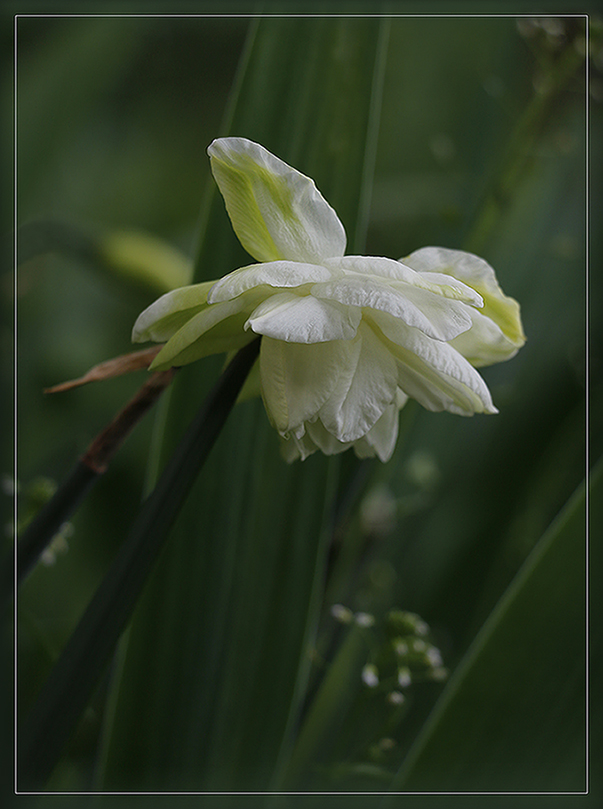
<point>113,118</point>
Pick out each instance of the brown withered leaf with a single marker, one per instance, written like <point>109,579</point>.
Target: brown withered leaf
<point>125,364</point>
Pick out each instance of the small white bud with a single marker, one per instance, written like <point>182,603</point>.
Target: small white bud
<point>341,613</point>
<point>434,656</point>
<point>404,677</point>
<point>364,619</point>
<point>370,675</point>
<point>439,674</point>
<point>400,647</point>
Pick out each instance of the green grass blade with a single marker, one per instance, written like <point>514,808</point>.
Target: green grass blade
<point>513,717</point>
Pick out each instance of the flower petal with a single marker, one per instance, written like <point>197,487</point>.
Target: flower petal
<point>366,385</point>
<point>303,319</point>
<point>171,311</point>
<point>324,440</point>
<point>297,378</point>
<point>316,437</point>
<point>433,314</point>
<point>484,343</point>
<point>293,448</point>
<point>213,330</point>
<point>446,286</point>
<point>380,439</point>
<point>432,372</point>
<point>276,212</point>
<point>277,274</point>
<point>498,307</point>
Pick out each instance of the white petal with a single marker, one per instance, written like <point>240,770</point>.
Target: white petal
<point>366,386</point>
<point>297,379</point>
<point>446,286</point>
<point>295,319</point>
<point>484,343</point>
<point>167,314</point>
<point>278,274</point>
<point>434,373</point>
<point>467,267</point>
<point>435,315</point>
<point>380,439</point>
<point>314,438</point>
<point>213,330</point>
<point>277,212</point>
<point>293,448</point>
<point>324,440</point>
<point>478,274</point>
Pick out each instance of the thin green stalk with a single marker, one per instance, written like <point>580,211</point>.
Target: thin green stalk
<point>328,709</point>
<point>71,682</point>
<point>521,147</point>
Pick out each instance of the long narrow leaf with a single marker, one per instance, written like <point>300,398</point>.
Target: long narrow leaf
<point>513,717</point>
<point>68,688</point>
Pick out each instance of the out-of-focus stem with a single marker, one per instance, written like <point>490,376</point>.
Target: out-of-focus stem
<point>520,151</point>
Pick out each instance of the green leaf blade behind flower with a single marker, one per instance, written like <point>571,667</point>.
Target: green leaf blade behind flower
<point>514,716</point>
<point>220,644</point>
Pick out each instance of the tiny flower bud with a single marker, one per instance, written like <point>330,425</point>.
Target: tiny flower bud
<point>439,674</point>
<point>370,675</point>
<point>434,657</point>
<point>341,613</point>
<point>400,647</point>
<point>404,677</point>
<point>364,619</point>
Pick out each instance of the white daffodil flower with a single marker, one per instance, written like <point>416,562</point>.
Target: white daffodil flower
<point>346,340</point>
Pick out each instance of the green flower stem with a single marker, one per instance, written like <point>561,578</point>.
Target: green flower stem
<point>69,686</point>
<point>86,472</point>
<point>520,151</point>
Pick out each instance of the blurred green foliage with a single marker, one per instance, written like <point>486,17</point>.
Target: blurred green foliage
<point>113,118</point>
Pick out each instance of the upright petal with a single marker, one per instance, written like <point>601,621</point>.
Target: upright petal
<point>276,212</point>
